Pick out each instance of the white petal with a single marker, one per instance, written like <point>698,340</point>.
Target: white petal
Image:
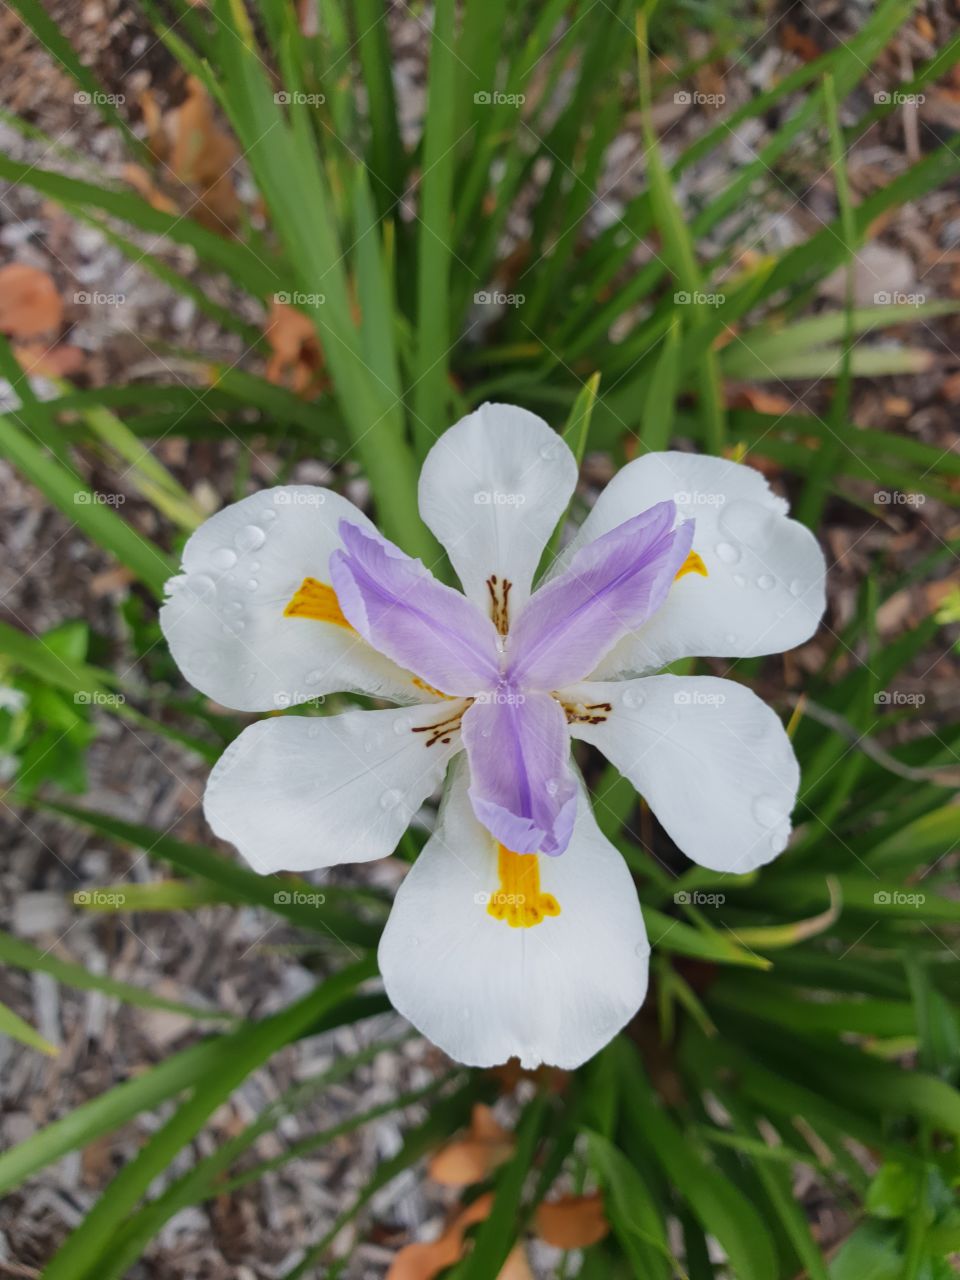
<point>492,490</point>
<point>224,619</point>
<point>295,793</point>
<point>484,991</point>
<point>713,762</point>
<point>765,589</point>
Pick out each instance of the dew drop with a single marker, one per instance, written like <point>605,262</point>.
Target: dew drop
<point>765,582</point>
<point>727,552</point>
<point>797,587</point>
<point>642,949</point>
<point>739,580</point>
<point>401,725</point>
<point>552,786</point>
<point>390,799</point>
<point>768,811</point>
<point>313,677</point>
<point>223,558</point>
<point>201,585</point>
<point>267,516</point>
<point>252,584</point>
<point>550,451</point>
<point>249,538</point>
<point>633,698</point>
<point>254,565</point>
<point>236,605</point>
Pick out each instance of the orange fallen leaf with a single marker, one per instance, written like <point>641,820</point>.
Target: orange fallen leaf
<point>467,1160</point>
<point>143,184</point>
<point>29,302</point>
<point>39,361</point>
<point>572,1222</point>
<point>424,1261</point>
<point>297,359</point>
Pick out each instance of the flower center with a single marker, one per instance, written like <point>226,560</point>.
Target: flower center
<point>317,600</point>
<point>518,899</point>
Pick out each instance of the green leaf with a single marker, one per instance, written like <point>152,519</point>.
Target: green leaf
<point>11,1024</point>
<point>634,1215</point>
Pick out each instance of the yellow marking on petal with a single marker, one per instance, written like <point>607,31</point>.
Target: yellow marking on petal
<point>318,601</point>
<point>518,899</point>
<point>428,688</point>
<point>692,564</point>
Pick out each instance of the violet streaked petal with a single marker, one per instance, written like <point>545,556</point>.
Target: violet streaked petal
<point>521,785</point>
<point>402,611</point>
<point>611,587</point>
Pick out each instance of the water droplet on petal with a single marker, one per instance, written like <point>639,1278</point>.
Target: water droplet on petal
<point>267,516</point>
<point>201,585</point>
<point>727,552</point>
<point>633,698</point>
<point>249,538</point>
<point>552,786</point>
<point>401,725</point>
<point>550,450</point>
<point>390,799</point>
<point>766,581</point>
<point>739,580</point>
<point>313,677</point>
<point>252,584</point>
<point>768,811</point>
<point>223,558</point>
<point>797,587</point>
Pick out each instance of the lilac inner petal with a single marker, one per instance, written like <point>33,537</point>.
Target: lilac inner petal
<point>610,587</point>
<point>400,608</point>
<point>521,785</point>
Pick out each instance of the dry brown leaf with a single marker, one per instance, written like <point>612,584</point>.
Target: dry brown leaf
<point>761,401</point>
<point>143,184</point>
<point>794,41</point>
<point>516,1266</point>
<point>572,1222</point>
<point>467,1160</point>
<point>297,360</point>
<point>39,361</point>
<point>29,302</point>
<point>424,1261</point>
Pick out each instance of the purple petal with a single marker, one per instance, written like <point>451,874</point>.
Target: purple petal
<point>521,785</point>
<point>400,608</point>
<point>610,587</point>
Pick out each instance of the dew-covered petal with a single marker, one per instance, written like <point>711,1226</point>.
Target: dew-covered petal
<point>492,489</point>
<point>713,762</point>
<point>612,585</point>
<point>295,793</point>
<point>521,784</point>
<point>484,990</point>
<point>224,618</point>
<point>764,589</point>
<point>403,611</point>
